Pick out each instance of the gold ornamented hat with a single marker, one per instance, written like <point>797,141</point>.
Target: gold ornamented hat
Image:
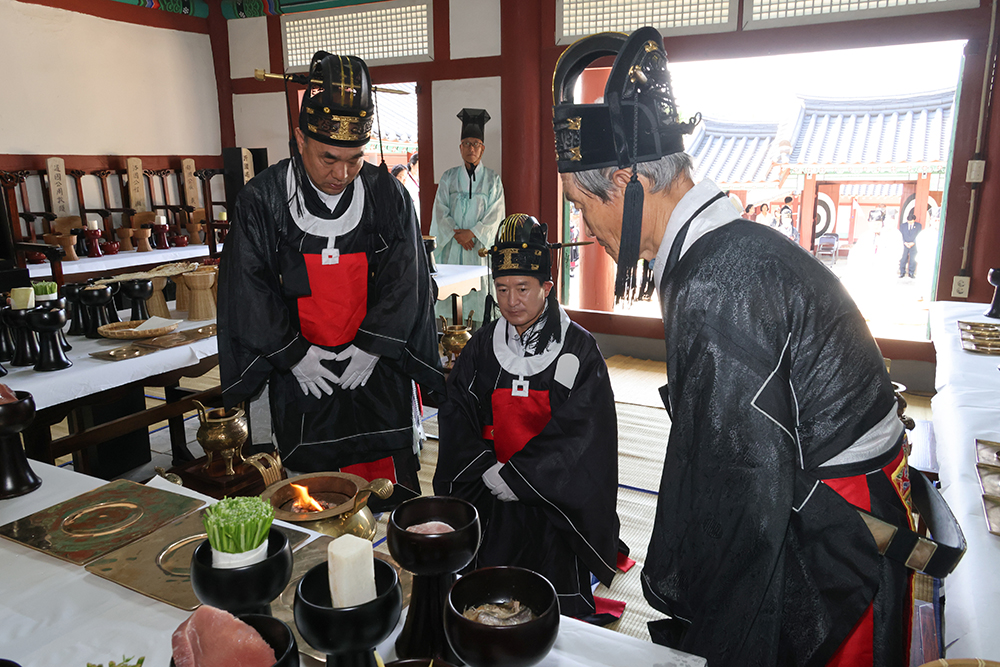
<point>339,110</point>
<point>521,248</point>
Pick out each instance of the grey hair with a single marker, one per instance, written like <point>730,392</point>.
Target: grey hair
<point>661,173</point>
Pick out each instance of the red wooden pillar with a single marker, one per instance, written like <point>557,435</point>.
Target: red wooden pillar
<point>920,203</point>
<point>520,85</point>
<point>807,222</point>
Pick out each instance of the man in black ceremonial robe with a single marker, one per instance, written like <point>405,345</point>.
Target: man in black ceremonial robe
<point>324,293</point>
<point>529,433</point>
<point>784,420</point>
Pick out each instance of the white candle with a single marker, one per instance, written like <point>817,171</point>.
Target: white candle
<point>351,562</point>
<point>92,224</point>
<point>161,219</point>
<point>223,216</point>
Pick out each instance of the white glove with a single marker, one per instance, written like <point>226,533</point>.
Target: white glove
<point>494,482</point>
<point>312,375</point>
<point>358,370</point>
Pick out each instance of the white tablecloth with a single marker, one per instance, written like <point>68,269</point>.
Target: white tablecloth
<point>458,279</point>
<point>54,614</point>
<point>966,407</point>
<point>89,375</point>
<point>121,262</point>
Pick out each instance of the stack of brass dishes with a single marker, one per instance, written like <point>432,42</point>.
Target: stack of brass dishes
<point>988,467</point>
<point>981,337</point>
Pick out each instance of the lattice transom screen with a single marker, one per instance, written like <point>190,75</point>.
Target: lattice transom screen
<point>584,17</point>
<point>767,10</point>
<point>395,31</point>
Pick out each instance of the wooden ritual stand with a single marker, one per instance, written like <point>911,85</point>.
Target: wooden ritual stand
<point>213,226</point>
<point>247,481</point>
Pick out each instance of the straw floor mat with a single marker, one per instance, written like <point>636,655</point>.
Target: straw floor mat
<point>637,381</point>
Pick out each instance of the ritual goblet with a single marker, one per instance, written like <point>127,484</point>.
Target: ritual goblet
<point>124,235</point>
<point>63,303</point>
<point>68,244</point>
<point>994,278</point>
<point>48,321</point>
<point>6,340</point>
<point>93,242</point>
<point>520,645</point>
<point>347,635</point>
<point>80,236</point>
<point>138,291</point>
<point>78,312</point>
<point>430,244</point>
<point>243,590</point>
<point>201,305</point>
<point>16,476</point>
<point>111,306</point>
<point>95,298</point>
<point>194,231</point>
<point>157,303</point>
<point>433,559</point>
<point>276,634</point>
<point>181,292</point>
<point>25,341</point>
<point>141,237</point>
<point>160,237</point>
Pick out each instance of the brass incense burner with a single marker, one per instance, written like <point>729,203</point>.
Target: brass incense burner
<point>346,494</point>
<point>222,432</point>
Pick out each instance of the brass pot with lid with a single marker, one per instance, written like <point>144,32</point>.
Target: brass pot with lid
<point>346,493</point>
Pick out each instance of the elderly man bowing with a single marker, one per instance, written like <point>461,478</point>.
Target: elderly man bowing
<point>325,295</point>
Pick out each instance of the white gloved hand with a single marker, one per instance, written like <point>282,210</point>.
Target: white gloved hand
<point>358,370</point>
<point>497,486</point>
<point>312,375</point>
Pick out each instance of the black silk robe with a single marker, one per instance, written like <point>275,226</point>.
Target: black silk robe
<point>771,372</point>
<point>263,275</point>
<point>564,524</point>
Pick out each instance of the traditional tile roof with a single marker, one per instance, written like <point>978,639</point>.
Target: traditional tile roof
<point>889,130</point>
<point>867,190</point>
<point>731,153</point>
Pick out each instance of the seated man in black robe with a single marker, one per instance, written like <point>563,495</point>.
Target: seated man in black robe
<point>529,433</point>
<point>325,294</point>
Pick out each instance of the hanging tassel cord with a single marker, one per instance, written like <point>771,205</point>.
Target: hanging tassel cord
<point>631,237</point>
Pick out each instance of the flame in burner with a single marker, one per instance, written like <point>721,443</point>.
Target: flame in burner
<point>304,502</point>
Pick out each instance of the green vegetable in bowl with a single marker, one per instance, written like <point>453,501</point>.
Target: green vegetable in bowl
<point>235,525</point>
<point>45,287</point>
<point>126,662</point>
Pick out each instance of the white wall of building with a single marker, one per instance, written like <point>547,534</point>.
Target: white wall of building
<point>474,28</point>
<point>81,85</point>
<point>448,97</point>
<point>262,122</point>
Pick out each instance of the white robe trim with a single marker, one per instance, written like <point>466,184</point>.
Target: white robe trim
<point>316,226</point>
<point>527,366</point>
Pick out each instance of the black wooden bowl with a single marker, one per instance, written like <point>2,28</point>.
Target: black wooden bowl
<point>243,590</point>
<point>433,554</point>
<point>519,645</point>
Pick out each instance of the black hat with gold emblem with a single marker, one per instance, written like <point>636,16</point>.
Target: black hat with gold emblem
<point>521,248</point>
<point>337,111</point>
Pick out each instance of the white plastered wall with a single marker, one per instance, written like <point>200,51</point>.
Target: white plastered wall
<point>248,47</point>
<point>448,98</point>
<point>82,85</point>
<point>474,28</point>
<point>262,122</point>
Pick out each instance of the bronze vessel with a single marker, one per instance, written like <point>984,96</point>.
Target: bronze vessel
<point>222,432</point>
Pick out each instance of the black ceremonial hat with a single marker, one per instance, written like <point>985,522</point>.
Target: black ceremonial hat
<point>337,105</point>
<point>474,123</point>
<point>521,248</point>
<point>636,122</point>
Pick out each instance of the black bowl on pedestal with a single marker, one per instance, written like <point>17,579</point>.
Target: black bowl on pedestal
<point>16,476</point>
<point>48,323</point>
<point>243,590</point>
<point>278,636</point>
<point>25,341</point>
<point>433,559</point>
<point>111,306</point>
<point>78,312</point>
<point>95,299</point>
<point>138,291</point>
<point>994,277</point>
<point>347,635</point>
<point>6,339</point>
<point>520,645</point>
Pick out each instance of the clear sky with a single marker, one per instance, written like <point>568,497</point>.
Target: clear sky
<point>765,88</point>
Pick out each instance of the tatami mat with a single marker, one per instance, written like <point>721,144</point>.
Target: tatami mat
<point>637,381</point>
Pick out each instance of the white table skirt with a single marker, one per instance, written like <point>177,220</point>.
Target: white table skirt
<point>90,375</point>
<point>54,614</point>
<point>966,407</point>
<point>458,279</point>
<point>121,262</point>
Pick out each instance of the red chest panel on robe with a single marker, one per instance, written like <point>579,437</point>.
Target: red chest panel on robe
<point>516,420</point>
<point>339,301</point>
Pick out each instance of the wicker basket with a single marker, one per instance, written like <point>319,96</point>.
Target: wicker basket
<point>126,330</point>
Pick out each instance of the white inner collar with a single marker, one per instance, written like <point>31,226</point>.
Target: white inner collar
<point>311,224</point>
<point>519,366</point>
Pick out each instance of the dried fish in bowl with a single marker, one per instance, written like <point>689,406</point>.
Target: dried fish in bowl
<point>510,612</point>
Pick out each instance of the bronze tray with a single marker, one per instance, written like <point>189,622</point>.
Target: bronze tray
<point>981,347</point>
<point>123,353</point>
<point>988,452</point>
<point>159,564</point>
<point>307,558</point>
<point>991,507</point>
<point>989,478</point>
<point>987,337</point>
<point>178,338</point>
<point>979,327</point>
<point>95,523</point>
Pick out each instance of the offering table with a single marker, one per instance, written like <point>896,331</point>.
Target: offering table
<point>454,280</point>
<point>967,407</point>
<point>57,614</point>
<point>123,262</point>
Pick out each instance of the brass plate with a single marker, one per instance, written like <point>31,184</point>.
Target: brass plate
<point>178,338</point>
<point>159,565</point>
<point>979,327</point>
<point>95,523</point>
<point>991,506</point>
<point>980,347</point>
<point>989,478</point>
<point>988,452</point>
<point>307,558</point>
<point>981,336</point>
<point>123,353</point>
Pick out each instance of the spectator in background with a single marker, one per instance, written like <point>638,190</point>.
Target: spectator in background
<point>909,231</point>
<point>412,181</point>
<point>764,217</point>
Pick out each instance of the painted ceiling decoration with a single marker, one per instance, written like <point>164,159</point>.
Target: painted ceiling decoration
<point>196,8</point>
<point>244,9</point>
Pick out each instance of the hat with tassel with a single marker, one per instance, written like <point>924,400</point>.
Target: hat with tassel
<point>636,122</point>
